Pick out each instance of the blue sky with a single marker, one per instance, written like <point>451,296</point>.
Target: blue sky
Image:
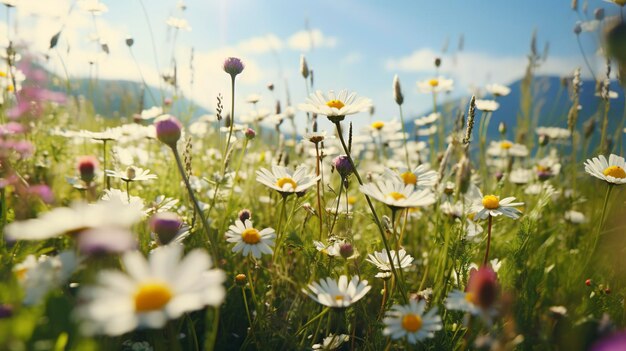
<point>358,45</point>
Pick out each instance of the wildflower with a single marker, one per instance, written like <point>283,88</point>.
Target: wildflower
<point>87,166</point>
<point>338,294</point>
<point>521,176</point>
<point>38,276</point>
<point>244,215</point>
<point>153,112</point>
<point>498,89</point>
<point>317,137</point>
<point>487,105</point>
<point>410,322</point>
<point>168,130</point>
<point>481,294</point>
<point>396,194</point>
<point>178,23</point>
<point>331,342</point>
<point>132,174</point>
<point>575,217</point>
<point>250,240</point>
<point>554,133</point>
<point>75,219</point>
<point>381,260</point>
<point>233,66</point>
<point>397,90</point>
<point>342,165</point>
<point>331,249</point>
<point>285,181</point>
<point>304,67</point>
<point>435,85</point>
<point>427,120</point>
<point>241,279</point>
<point>491,205</point>
<point>613,171</point>
<point>506,148</point>
<point>617,2</point>
<point>335,106</point>
<point>104,240</point>
<point>250,133</point>
<point>420,177</point>
<point>165,226</point>
<point>346,250</point>
<point>151,292</point>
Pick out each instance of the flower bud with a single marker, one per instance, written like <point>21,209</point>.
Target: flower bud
<point>250,133</point>
<point>346,250</point>
<point>437,62</point>
<point>502,128</point>
<point>240,279</point>
<point>578,28</point>
<point>233,66</point>
<point>342,165</point>
<point>483,285</point>
<point>131,173</point>
<point>245,214</point>
<point>304,67</point>
<point>270,86</point>
<point>130,41</point>
<point>543,139</point>
<point>87,168</point>
<point>165,225</point>
<point>168,130</point>
<point>599,14</point>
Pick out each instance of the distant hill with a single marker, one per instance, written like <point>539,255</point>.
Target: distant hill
<point>551,104</point>
<point>123,98</point>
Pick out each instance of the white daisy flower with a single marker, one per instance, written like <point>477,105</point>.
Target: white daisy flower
<point>285,181</point>
<point>613,171</point>
<point>335,106</point>
<point>38,276</point>
<point>487,105</point>
<point>250,240</point>
<point>151,292</point>
<point>506,148</point>
<point>381,260</point>
<point>75,219</point>
<point>521,176</point>
<point>421,177</point>
<point>427,120</point>
<point>575,217</point>
<point>331,342</point>
<point>338,294</point>
<point>554,133</point>
<point>427,131</point>
<point>435,85</point>
<point>152,112</point>
<point>498,89</point>
<point>491,205</point>
<point>410,322</point>
<point>178,23</point>
<point>331,249</point>
<point>131,174</point>
<point>396,194</point>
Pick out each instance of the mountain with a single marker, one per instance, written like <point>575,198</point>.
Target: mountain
<point>550,106</point>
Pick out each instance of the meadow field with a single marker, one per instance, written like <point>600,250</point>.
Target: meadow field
<point>159,195</point>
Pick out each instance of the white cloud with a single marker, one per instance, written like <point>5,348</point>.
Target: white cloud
<point>306,40</point>
<point>352,58</point>
<point>262,44</point>
<point>475,68</point>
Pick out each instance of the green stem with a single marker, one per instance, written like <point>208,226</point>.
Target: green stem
<point>319,198</point>
<point>372,209</point>
<point>406,149</point>
<point>488,241</point>
<point>232,119</point>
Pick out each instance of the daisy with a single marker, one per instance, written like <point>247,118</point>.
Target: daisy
<point>521,176</point>
<point>285,181</point>
<point>75,219</point>
<point>331,342</point>
<point>613,171</point>
<point>381,260</point>
<point>132,174</point>
<point>435,85</point>
<point>151,292</point>
<point>331,249</point>
<point>506,148</point>
<point>491,205</point>
<point>427,120</point>
<point>178,23</point>
<point>575,217</point>
<point>250,240</point>
<point>421,176</point>
<point>410,322</point>
<point>38,276</point>
<point>396,194</point>
<point>338,294</point>
<point>317,137</point>
<point>480,297</point>
<point>498,89</point>
<point>487,105</point>
<point>554,133</point>
<point>335,106</point>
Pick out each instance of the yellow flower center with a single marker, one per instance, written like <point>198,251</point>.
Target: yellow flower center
<point>615,172</point>
<point>411,322</point>
<point>339,298</point>
<point>471,216</point>
<point>491,202</point>
<point>351,200</point>
<point>152,296</point>
<point>21,273</point>
<point>286,180</point>
<point>378,125</point>
<point>506,145</point>
<point>409,178</point>
<point>433,82</point>
<point>469,297</point>
<point>396,195</point>
<point>336,104</point>
<point>3,74</point>
<point>10,88</point>
<point>250,236</point>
